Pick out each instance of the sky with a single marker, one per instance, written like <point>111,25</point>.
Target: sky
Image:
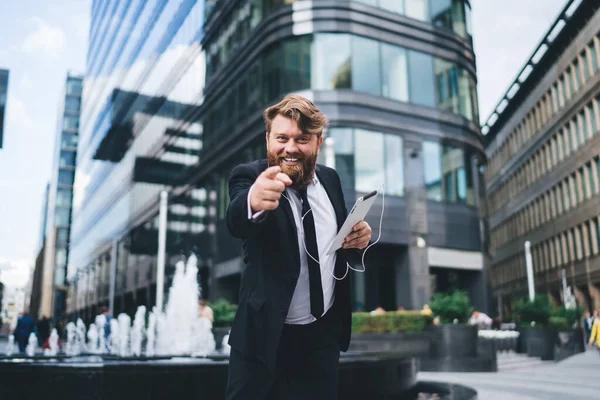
<point>41,40</point>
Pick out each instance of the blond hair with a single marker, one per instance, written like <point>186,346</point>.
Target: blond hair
<point>309,118</point>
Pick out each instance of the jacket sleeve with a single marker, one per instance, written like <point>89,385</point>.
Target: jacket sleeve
<point>240,226</point>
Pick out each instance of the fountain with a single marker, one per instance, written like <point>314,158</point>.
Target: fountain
<point>10,347</point>
<point>171,354</point>
<point>31,345</point>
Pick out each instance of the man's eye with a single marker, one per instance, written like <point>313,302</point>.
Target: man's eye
<point>303,140</point>
<point>281,138</point>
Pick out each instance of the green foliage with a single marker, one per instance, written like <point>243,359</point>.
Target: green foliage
<point>224,312</point>
<point>571,315</point>
<point>390,322</point>
<point>451,306</point>
<point>559,324</point>
<point>539,310</point>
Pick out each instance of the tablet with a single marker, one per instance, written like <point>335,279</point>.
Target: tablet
<point>357,214</point>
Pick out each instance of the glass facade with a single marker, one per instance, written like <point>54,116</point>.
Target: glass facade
<point>3,98</point>
<point>454,15</point>
<point>330,61</point>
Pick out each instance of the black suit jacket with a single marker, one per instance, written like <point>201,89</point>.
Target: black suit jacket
<point>272,265</point>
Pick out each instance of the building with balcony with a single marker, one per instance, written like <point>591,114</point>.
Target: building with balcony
<point>3,98</point>
<point>543,148</point>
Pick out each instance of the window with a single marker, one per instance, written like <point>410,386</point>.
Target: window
<point>331,62</point>
<point>62,216</point>
<point>368,161</point>
<point>68,140</point>
<point>344,155</point>
<point>67,158</point>
<point>420,67</point>
<point>392,5</point>
<point>74,87</point>
<point>65,177</point>
<point>416,9</point>
<point>594,57</point>
<point>590,178</point>
<point>366,74</point>
<point>64,197</point>
<point>394,165</point>
<point>584,65</point>
<point>395,73</point>
<point>62,238</point>
<point>72,104</point>
<point>433,171</point>
<point>71,122</point>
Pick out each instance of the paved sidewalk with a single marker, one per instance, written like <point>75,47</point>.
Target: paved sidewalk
<point>577,377</point>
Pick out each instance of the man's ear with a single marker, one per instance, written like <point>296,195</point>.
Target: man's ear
<point>267,139</point>
<point>320,142</point>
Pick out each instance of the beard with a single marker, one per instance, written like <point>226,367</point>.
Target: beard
<point>302,173</point>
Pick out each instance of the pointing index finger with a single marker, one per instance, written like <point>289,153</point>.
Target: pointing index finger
<point>271,172</point>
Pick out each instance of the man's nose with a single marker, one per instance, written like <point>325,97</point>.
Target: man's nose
<point>291,147</point>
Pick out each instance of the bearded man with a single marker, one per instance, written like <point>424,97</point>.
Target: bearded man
<point>294,313</point>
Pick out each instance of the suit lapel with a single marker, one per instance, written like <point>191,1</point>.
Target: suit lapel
<point>335,198</point>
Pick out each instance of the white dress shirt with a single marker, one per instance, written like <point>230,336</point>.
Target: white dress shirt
<point>326,230</point>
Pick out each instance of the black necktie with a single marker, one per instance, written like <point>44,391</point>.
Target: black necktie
<point>314,272</point>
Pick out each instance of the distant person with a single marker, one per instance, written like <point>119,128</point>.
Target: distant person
<point>108,317</point>
<point>378,311</point>
<point>595,335</point>
<point>497,323</point>
<point>206,311</point>
<point>480,319</point>
<point>588,322</point>
<point>24,328</point>
<point>43,327</point>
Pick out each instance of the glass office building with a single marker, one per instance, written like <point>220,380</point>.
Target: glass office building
<point>139,134</point>
<point>3,98</point>
<point>173,100</point>
<point>397,81</point>
<point>49,289</point>
<point>542,176</point>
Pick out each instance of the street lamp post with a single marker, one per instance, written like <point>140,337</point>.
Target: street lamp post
<point>529,264</point>
<point>162,239</point>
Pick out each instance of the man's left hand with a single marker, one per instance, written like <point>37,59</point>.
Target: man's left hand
<point>359,238</point>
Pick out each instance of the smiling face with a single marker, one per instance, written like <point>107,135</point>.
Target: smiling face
<point>295,151</point>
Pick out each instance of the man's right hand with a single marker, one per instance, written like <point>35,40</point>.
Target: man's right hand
<point>268,188</point>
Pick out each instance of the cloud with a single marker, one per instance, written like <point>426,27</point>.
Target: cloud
<point>48,39</point>
<point>17,114</point>
<point>14,273</point>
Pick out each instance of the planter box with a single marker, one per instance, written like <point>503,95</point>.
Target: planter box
<point>453,340</point>
<point>537,342</point>
<point>413,344</point>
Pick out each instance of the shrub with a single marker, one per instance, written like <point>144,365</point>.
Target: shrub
<point>571,315</point>
<point>224,312</point>
<point>559,324</point>
<point>538,310</point>
<point>390,322</point>
<point>451,306</point>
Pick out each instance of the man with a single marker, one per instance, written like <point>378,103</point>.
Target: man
<point>293,316</point>
<point>588,322</point>
<point>482,320</point>
<point>25,326</point>
<point>206,311</point>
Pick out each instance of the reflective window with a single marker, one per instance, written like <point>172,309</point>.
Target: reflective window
<point>331,62</point>
<point>62,216</point>
<point>67,158</point>
<point>64,197</point>
<point>395,72</point>
<point>74,87</point>
<point>394,166</point>
<point>62,238</point>
<point>594,57</point>
<point>65,177</point>
<point>368,160</point>
<point>68,139</point>
<point>366,74</point>
<point>71,122</point>
<point>416,9</point>
<point>433,170</point>
<point>448,173</point>
<point>72,104</point>
<point>392,5</point>
<point>344,155</point>
<point>420,67</point>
